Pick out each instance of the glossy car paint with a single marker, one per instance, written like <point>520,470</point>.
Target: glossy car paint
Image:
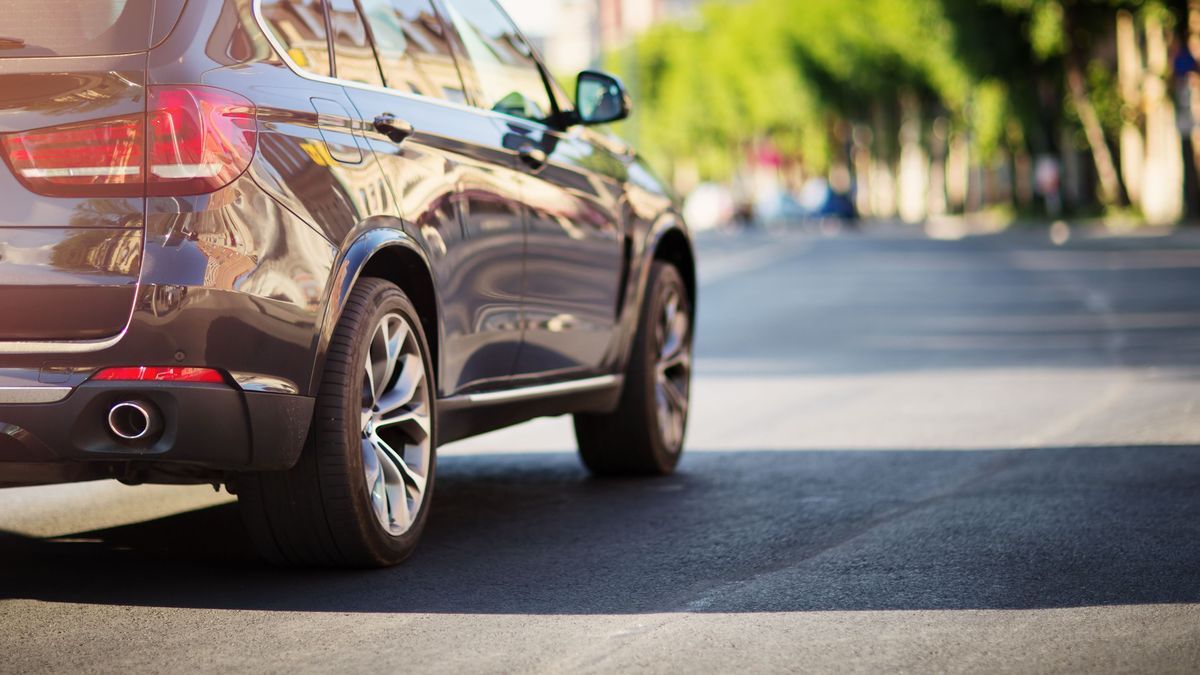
<point>82,256</point>
<point>524,277</point>
<point>454,186</point>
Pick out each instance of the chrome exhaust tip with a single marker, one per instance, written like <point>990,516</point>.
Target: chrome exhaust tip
<point>134,420</point>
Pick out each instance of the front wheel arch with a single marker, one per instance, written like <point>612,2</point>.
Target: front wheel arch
<point>675,248</point>
<point>669,242</point>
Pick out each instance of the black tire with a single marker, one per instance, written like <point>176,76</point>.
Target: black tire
<point>320,512</point>
<point>631,441</point>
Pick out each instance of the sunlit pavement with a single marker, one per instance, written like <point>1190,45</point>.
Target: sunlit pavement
<point>906,454</point>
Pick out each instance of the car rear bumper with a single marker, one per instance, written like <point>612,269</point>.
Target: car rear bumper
<point>206,430</point>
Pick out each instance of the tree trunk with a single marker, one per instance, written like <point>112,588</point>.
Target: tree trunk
<point>1191,158</point>
<point>883,173</point>
<point>1106,168</point>
<point>938,146</point>
<point>1131,73</point>
<point>913,171</point>
<point>1077,89</point>
<point>958,172</point>
<point>864,185</point>
<point>1023,189</point>
<point>1162,190</point>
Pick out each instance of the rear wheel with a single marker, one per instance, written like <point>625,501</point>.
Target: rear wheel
<point>360,493</point>
<point>645,435</point>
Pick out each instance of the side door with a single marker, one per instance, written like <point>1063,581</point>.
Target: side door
<point>449,176</point>
<point>573,250</point>
<point>570,191</point>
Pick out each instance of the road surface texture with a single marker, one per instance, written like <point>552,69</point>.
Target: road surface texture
<point>906,454</point>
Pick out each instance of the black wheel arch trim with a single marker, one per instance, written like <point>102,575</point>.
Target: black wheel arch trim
<point>349,269</point>
<point>668,225</point>
<point>675,229</point>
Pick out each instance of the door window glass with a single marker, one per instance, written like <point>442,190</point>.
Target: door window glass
<point>413,50</point>
<point>507,78</point>
<point>299,25</point>
<point>353,57</point>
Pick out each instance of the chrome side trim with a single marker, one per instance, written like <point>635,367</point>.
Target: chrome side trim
<point>78,347</point>
<point>530,393</point>
<point>33,395</point>
<point>265,384</point>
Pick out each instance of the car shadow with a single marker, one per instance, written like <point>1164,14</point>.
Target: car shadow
<point>732,532</point>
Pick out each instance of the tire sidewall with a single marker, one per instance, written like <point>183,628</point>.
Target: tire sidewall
<point>386,547</point>
<point>663,279</point>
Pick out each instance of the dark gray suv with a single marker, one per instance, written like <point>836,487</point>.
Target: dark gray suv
<point>290,246</point>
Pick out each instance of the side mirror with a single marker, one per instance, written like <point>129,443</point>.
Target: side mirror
<point>600,98</point>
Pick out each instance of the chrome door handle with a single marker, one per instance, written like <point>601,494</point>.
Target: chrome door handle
<point>397,130</point>
<point>532,157</point>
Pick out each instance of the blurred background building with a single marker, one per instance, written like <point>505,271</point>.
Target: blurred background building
<point>575,34</point>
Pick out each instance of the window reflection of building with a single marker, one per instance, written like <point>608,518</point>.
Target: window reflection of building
<point>508,88</point>
<point>299,25</point>
<point>416,56</point>
<point>354,59</point>
<point>104,252</point>
<point>309,171</point>
<point>284,264</point>
<point>507,76</point>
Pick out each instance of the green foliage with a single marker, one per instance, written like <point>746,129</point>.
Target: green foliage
<point>785,71</point>
<point>990,116</point>
<point>1105,97</point>
<point>793,71</point>
<point>1046,29</point>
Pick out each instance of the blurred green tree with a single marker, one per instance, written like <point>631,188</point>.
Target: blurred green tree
<point>881,87</point>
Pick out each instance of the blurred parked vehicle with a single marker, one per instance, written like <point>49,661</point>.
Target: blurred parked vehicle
<point>709,206</point>
<point>777,210</point>
<point>819,200</point>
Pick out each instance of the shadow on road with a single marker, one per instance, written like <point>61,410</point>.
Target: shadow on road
<point>733,532</point>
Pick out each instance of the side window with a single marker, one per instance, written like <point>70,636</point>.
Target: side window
<point>299,25</point>
<point>353,57</point>
<point>413,49</point>
<point>506,75</point>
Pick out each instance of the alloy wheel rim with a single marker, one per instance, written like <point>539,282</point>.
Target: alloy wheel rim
<point>673,369</point>
<point>397,444</point>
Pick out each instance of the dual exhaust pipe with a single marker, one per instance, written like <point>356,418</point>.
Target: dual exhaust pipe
<point>134,421</point>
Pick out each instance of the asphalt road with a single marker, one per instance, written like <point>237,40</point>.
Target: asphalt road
<point>906,455</point>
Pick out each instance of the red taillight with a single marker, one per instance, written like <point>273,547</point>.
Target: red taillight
<point>191,141</point>
<point>144,374</point>
<point>198,139</point>
<point>102,158</point>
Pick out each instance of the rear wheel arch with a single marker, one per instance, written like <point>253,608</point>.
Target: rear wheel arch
<point>407,269</point>
<point>392,255</point>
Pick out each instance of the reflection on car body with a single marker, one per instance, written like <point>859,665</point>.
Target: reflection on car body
<point>290,246</point>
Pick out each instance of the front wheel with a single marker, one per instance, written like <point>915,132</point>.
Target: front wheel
<point>645,435</point>
<point>360,494</point>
